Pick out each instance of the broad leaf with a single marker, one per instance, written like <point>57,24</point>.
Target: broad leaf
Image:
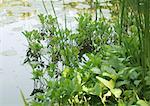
<point>116,92</point>
<point>110,84</point>
<point>142,103</point>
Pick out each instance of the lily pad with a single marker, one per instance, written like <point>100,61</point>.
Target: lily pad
<point>9,53</point>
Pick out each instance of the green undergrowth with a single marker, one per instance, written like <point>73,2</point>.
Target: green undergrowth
<point>98,64</point>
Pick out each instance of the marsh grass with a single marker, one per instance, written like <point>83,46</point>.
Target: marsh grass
<point>139,11</point>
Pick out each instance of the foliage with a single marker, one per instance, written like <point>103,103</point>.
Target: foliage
<point>98,64</point>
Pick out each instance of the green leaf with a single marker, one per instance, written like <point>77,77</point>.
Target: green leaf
<point>106,95</point>
<point>147,79</point>
<point>120,83</point>
<point>108,69</point>
<point>116,92</point>
<point>76,99</point>
<point>114,77</point>
<point>78,78</point>
<point>121,103</point>
<point>85,89</point>
<point>65,72</point>
<point>110,84</point>
<point>142,103</point>
<point>137,82</point>
<point>97,89</point>
<point>96,70</point>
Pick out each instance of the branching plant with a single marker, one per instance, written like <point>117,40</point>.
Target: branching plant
<point>103,62</point>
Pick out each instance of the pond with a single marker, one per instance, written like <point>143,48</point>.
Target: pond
<point>15,17</point>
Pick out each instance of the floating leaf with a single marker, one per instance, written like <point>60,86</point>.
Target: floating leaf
<point>8,53</point>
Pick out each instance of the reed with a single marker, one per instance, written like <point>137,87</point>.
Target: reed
<point>56,17</point>
<point>44,5</point>
<point>65,15</point>
<point>146,38</point>
<point>139,10</point>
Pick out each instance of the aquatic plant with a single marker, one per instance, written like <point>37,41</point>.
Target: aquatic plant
<point>104,62</point>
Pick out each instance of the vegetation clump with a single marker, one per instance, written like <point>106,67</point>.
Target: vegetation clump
<point>103,62</point>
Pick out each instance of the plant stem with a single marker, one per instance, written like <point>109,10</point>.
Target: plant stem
<point>45,7</point>
<point>56,17</point>
<point>121,20</point>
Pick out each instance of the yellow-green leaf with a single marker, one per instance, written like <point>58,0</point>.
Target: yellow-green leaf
<point>116,92</point>
<point>79,78</point>
<point>110,84</point>
<point>121,103</point>
<point>142,103</point>
<point>65,72</point>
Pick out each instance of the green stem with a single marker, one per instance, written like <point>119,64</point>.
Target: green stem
<point>121,21</point>
<point>65,15</point>
<point>45,7</point>
<point>146,34</point>
<point>56,17</point>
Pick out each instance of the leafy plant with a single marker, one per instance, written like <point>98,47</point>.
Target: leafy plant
<point>98,64</point>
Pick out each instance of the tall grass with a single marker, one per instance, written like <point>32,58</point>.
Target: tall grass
<point>146,38</point>
<point>121,20</point>
<point>44,5</point>
<point>141,14</point>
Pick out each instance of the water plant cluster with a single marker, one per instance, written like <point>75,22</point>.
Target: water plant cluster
<point>104,62</point>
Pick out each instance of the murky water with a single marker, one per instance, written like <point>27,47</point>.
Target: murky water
<point>15,17</point>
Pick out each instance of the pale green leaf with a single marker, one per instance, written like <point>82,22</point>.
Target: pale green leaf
<point>121,103</point>
<point>84,88</point>
<point>79,78</point>
<point>142,103</point>
<point>96,70</point>
<point>116,92</point>
<point>106,95</point>
<point>110,84</point>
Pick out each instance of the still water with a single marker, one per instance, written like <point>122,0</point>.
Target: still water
<point>15,17</point>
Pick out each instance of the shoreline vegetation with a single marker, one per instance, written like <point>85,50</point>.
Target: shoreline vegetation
<point>104,62</point>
